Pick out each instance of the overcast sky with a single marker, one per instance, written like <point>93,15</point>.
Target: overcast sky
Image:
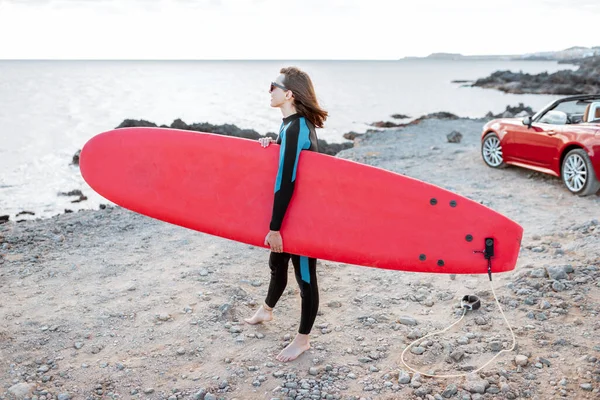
<point>299,29</point>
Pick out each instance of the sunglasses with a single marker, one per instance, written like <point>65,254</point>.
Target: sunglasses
<point>274,85</point>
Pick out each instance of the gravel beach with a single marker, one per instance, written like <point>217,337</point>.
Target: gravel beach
<point>107,304</point>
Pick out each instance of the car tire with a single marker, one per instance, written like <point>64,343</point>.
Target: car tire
<point>578,174</point>
<point>491,151</point>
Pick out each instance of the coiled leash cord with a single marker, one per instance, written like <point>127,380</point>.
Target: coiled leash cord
<point>469,302</point>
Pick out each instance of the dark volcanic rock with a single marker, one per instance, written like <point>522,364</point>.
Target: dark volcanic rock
<point>436,115</point>
<point>333,148</point>
<point>75,192</point>
<point>585,80</point>
<point>76,158</point>
<point>228,130</point>
<point>225,129</point>
<point>454,137</point>
<point>511,112</point>
<point>352,135</point>
<point>443,115</point>
<point>386,124</point>
<point>131,123</point>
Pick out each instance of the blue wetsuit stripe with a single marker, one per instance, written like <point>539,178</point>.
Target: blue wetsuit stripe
<point>304,272</point>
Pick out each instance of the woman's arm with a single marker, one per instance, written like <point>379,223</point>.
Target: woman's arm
<point>286,174</point>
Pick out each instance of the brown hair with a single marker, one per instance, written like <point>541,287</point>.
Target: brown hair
<point>305,99</point>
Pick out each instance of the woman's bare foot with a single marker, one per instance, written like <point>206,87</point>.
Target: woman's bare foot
<point>261,315</point>
<point>294,349</point>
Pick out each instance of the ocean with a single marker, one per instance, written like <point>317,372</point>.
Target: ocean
<point>49,109</point>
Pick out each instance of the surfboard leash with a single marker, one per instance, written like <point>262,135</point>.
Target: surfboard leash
<point>469,303</point>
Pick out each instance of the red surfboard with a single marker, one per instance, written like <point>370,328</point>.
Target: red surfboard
<point>341,210</point>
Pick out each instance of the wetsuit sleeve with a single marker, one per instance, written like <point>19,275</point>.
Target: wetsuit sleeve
<point>286,174</point>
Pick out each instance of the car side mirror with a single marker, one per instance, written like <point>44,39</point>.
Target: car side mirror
<point>527,121</point>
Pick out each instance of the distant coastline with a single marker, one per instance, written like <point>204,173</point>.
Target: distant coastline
<point>572,53</point>
<point>459,57</point>
<point>584,80</point>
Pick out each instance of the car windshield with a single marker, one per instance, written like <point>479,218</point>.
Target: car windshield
<point>572,107</point>
<point>574,110</point>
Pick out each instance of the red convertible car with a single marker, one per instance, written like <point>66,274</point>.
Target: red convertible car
<point>562,140</point>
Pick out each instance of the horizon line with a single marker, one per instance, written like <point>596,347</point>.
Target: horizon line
<point>253,59</point>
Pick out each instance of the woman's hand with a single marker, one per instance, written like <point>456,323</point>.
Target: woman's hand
<point>275,241</point>
<point>266,141</point>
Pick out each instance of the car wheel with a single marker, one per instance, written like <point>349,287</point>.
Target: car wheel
<point>578,174</point>
<point>491,151</point>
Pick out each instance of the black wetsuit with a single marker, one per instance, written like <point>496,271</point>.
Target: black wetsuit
<point>296,134</point>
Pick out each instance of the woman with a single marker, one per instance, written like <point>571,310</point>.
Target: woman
<point>293,93</point>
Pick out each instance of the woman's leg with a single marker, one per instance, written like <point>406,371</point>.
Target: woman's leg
<point>278,262</point>
<point>306,274</point>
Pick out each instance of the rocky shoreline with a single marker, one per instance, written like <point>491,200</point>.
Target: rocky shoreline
<point>584,80</point>
<point>230,130</point>
<point>519,110</point>
<point>110,304</point>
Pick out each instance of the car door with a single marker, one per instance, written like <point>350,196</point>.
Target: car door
<point>511,132</point>
<point>539,146</point>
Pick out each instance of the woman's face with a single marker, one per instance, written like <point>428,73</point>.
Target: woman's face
<point>278,95</point>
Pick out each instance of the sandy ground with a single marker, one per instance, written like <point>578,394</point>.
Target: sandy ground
<point>112,304</point>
